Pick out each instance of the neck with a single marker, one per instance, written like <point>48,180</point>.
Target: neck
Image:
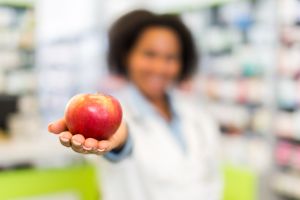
<point>157,100</point>
<point>161,104</point>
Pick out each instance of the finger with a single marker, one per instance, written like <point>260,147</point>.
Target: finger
<point>65,138</point>
<point>103,147</point>
<point>57,126</point>
<point>77,142</point>
<point>79,150</point>
<point>90,145</point>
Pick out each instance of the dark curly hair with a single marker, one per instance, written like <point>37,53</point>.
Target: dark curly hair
<point>126,30</point>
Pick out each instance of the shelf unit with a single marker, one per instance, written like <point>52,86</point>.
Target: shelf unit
<point>23,144</point>
<point>286,176</point>
<point>236,74</point>
<point>236,80</point>
<point>17,57</point>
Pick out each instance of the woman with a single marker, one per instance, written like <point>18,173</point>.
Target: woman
<point>166,147</point>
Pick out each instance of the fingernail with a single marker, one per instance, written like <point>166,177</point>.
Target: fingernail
<point>49,126</point>
<point>76,143</point>
<point>101,150</point>
<point>64,139</point>
<point>87,148</point>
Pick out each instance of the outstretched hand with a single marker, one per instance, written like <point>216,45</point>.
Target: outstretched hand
<point>88,145</point>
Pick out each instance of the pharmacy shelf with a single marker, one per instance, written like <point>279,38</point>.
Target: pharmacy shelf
<point>46,150</point>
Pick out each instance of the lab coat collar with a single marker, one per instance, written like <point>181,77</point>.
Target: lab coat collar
<point>143,106</point>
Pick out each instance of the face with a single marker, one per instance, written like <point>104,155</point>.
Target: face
<point>154,62</point>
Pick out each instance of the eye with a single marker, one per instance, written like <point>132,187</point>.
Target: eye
<point>173,58</point>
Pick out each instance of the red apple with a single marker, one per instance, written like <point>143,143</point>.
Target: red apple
<point>93,115</point>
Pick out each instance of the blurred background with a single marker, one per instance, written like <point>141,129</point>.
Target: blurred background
<point>249,78</point>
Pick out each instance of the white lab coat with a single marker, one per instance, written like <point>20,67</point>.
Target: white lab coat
<point>158,169</point>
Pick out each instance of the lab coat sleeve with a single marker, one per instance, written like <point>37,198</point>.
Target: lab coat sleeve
<point>126,150</point>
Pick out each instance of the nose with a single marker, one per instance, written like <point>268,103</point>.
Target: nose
<point>160,65</point>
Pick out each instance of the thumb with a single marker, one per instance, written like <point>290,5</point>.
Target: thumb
<point>57,126</point>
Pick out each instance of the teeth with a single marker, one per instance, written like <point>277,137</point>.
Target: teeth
<point>156,79</point>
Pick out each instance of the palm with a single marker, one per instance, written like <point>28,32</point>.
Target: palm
<point>84,145</point>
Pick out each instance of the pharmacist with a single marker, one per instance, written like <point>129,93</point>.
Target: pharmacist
<point>166,146</point>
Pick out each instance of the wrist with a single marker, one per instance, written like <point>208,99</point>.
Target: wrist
<point>122,143</point>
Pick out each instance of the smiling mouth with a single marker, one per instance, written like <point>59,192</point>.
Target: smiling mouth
<point>156,80</point>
